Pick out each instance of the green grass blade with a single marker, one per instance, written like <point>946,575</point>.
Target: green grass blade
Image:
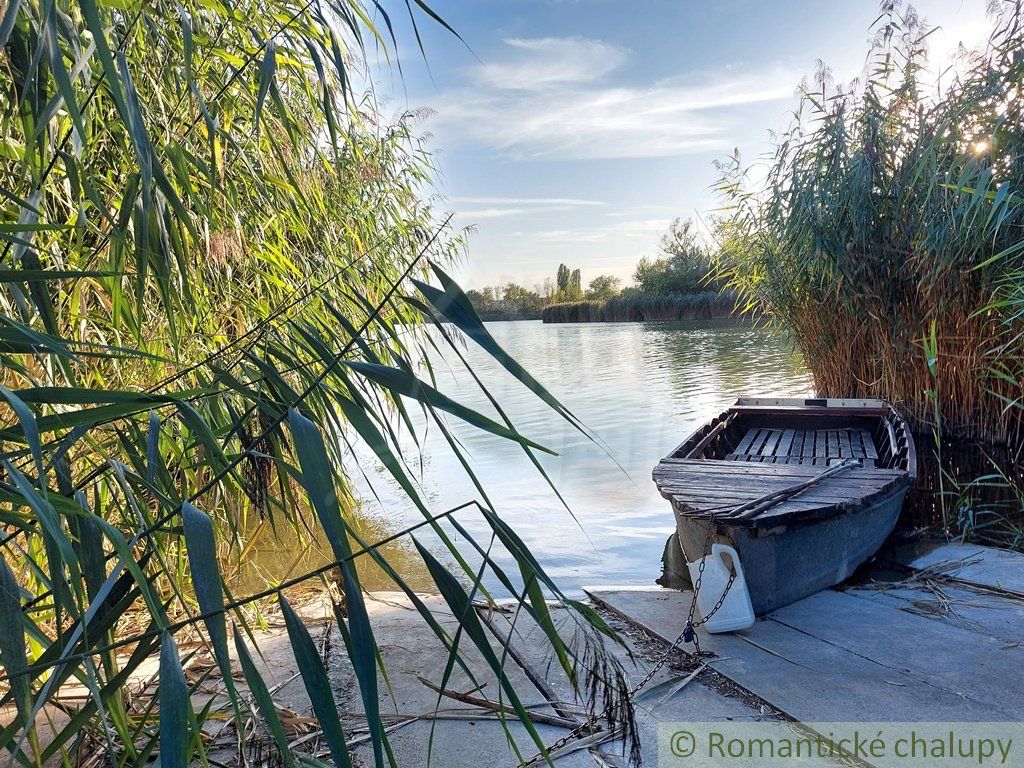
<point>206,580</point>
<point>262,699</point>
<point>318,480</point>
<point>12,643</point>
<point>404,383</point>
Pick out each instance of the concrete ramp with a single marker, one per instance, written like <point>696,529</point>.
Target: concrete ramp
<point>934,647</point>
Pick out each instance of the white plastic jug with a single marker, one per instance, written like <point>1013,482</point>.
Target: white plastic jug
<point>736,611</point>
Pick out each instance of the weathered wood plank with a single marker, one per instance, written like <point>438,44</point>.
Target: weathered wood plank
<point>719,466</point>
<point>701,484</point>
<point>773,476</point>
<point>744,444</point>
<point>845,446</point>
<point>699,500</point>
<point>797,446</point>
<point>869,445</point>
<point>829,495</point>
<point>809,679</point>
<point>755,445</point>
<point>771,442</point>
<point>773,483</point>
<point>809,437</point>
<point>785,443</point>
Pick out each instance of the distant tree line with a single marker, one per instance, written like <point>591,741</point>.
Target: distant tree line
<point>685,265</point>
<point>677,283</point>
<point>512,301</point>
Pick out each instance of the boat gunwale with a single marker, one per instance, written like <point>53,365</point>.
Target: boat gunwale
<point>900,479</point>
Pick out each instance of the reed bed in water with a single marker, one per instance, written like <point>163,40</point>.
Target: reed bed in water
<point>887,232</point>
<point>639,306</point>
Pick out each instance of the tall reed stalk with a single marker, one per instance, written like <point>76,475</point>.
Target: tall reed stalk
<point>890,207</point>
<point>216,268</point>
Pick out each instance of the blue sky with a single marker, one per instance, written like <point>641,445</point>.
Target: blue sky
<point>575,131</point>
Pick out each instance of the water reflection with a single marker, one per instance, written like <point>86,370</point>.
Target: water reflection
<point>642,388</point>
<point>276,554</point>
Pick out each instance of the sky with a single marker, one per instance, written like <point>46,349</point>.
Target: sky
<point>575,130</point>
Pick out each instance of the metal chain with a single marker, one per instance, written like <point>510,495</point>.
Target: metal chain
<point>691,625</point>
<point>689,633</point>
<point>593,720</point>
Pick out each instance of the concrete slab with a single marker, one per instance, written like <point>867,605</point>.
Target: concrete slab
<point>410,650</point>
<point>972,564</point>
<point>807,678</point>
<point>934,654</point>
<point>956,606</point>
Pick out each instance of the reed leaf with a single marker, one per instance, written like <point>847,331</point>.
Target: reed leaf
<point>174,703</point>
<point>265,707</point>
<point>12,643</point>
<point>317,683</point>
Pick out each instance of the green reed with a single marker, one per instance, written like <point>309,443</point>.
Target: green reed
<point>218,267</point>
<point>634,305</point>
<point>893,205</point>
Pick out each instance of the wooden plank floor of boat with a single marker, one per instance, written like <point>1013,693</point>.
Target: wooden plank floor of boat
<point>814,447</point>
<point>700,486</point>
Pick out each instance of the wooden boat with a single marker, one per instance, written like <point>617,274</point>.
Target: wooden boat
<point>804,490</point>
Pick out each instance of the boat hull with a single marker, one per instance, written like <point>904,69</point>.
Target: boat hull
<point>794,559</point>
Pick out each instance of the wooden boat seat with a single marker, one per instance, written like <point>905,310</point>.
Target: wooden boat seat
<point>816,447</point>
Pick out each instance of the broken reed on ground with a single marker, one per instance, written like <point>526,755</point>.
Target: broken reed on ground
<point>890,213</point>
<point>216,283</point>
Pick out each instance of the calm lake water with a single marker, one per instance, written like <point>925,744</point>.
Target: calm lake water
<point>642,388</point>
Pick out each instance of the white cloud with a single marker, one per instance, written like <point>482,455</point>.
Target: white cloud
<point>491,213</point>
<point>549,61</point>
<point>513,206</point>
<point>643,229</point>
<point>565,201</point>
<point>552,97</point>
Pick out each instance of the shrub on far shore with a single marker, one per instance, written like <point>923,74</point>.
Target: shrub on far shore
<point>636,305</point>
